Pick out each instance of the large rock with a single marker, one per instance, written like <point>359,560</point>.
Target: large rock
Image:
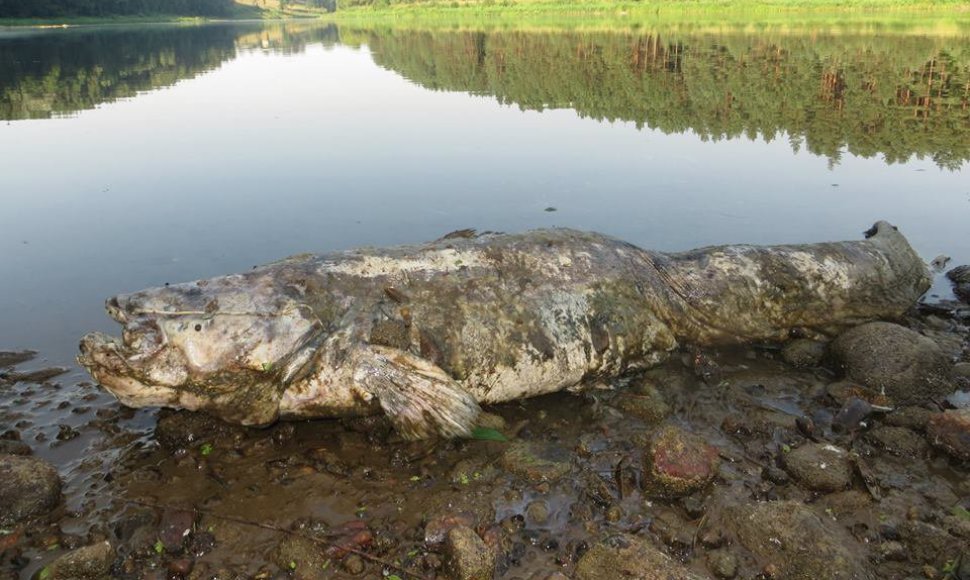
<point>798,541</point>
<point>678,463</point>
<point>819,467</point>
<point>29,487</point>
<point>90,562</point>
<point>950,431</point>
<point>627,556</point>
<point>885,356</point>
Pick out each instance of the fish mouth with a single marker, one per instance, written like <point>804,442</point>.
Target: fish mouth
<point>105,359</point>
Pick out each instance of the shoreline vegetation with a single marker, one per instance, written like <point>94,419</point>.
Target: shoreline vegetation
<point>627,12</point>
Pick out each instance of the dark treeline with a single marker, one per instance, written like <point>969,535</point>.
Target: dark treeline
<point>897,96</point>
<point>79,69</point>
<point>101,8</point>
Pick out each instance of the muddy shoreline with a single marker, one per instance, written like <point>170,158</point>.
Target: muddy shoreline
<point>757,462</point>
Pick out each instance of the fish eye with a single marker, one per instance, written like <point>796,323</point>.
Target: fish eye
<point>198,327</point>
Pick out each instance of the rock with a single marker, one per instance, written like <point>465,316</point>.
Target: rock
<point>960,276</point>
<point>174,527</point>
<point>797,540</point>
<point>92,562</point>
<point>645,402</point>
<point>438,527</point>
<point>9,447</point>
<point>950,431</point>
<point>490,421</point>
<point>962,369</point>
<point>11,358</point>
<point>819,467</point>
<point>179,429</point>
<point>898,441</point>
<point>466,555</point>
<point>914,418</point>
<point>353,564</point>
<point>929,544</point>
<point>908,366</point>
<point>536,462</point>
<point>29,487</point>
<point>537,512</point>
<point>678,463</point>
<point>302,556</point>
<point>804,353</point>
<point>722,564</point>
<point>627,556</point>
<point>37,376</point>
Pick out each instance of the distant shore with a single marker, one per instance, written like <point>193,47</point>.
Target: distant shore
<point>755,11</point>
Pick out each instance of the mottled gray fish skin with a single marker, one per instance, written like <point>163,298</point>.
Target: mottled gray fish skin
<point>427,333</point>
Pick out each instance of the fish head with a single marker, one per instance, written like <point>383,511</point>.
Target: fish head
<point>227,345</point>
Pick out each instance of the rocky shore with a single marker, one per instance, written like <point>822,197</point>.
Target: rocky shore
<point>812,459</point>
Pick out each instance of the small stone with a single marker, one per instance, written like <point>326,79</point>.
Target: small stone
<point>353,564</point>
<point>808,544</point>
<point>898,441</point>
<point>29,487</point>
<point>537,512</point>
<point>8,447</point>
<point>910,417</point>
<point>174,527</point>
<point>962,369</point>
<point>466,555</point>
<point>803,352</point>
<point>90,562</point>
<point>893,551</point>
<point>11,358</point>
<point>960,277</point>
<point>180,429</point>
<point>908,366</point>
<point>950,431</point>
<point>438,527</point>
<point>490,421</point>
<point>722,564</point>
<point>181,567</point>
<point>301,555</point>
<point>627,556</point>
<point>819,467</point>
<point>678,463</point>
<point>536,462</point>
<point>645,402</point>
<point>614,514</point>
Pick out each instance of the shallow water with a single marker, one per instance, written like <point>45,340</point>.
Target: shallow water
<point>134,156</point>
<point>131,156</point>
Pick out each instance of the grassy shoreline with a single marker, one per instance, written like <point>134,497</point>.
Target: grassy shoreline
<point>628,11</point>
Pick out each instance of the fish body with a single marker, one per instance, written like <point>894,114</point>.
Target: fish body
<point>427,333</point>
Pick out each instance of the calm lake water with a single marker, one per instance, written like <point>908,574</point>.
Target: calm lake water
<point>135,156</point>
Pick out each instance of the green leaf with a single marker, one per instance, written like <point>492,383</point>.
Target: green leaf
<point>206,449</point>
<point>159,547</point>
<point>393,577</point>
<point>961,512</point>
<point>267,367</point>
<point>487,434</point>
<point>292,565</point>
<point>44,573</point>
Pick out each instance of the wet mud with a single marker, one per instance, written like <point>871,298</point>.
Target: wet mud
<point>760,462</point>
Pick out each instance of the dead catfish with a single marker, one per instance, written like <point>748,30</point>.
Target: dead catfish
<point>427,333</point>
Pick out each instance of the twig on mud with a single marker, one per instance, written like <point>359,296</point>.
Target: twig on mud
<point>280,530</point>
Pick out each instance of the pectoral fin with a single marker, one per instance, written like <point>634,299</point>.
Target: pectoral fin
<point>419,398</point>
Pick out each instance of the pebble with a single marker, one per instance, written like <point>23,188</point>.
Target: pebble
<point>678,463</point>
<point>950,432</point>
<point>466,555</point>
<point>819,467</point>
<point>29,487</point>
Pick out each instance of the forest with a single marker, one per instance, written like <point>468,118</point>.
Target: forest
<point>827,93</point>
<point>898,97</point>
<point>104,8</point>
